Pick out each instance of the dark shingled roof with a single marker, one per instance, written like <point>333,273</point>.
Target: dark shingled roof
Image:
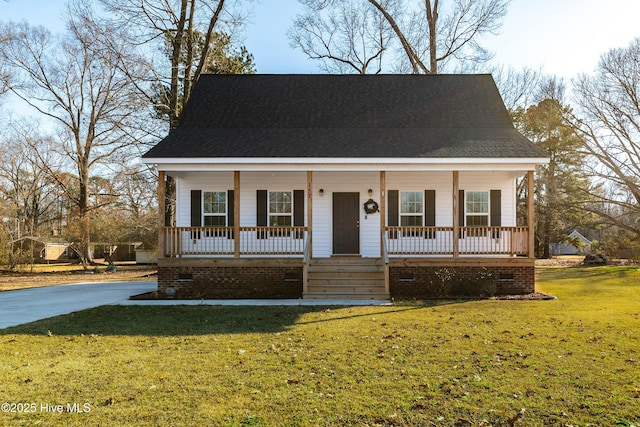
<point>342,116</point>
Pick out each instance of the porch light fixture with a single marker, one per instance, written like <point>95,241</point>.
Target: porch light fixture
<point>321,192</point>
<point>370,192</point>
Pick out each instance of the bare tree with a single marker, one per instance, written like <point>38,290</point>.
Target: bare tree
<point>608,119</point>
<point>428,36</point>
<point>25,159</point>
<point>177,24</point>
<point>518,88</point>
<point>5,74</point>
<point>76,83</point>
<point>137,204</point>
<point>189,27</point>
<point>349,37</point>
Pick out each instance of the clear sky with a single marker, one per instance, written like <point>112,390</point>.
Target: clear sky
<point>564,37</point>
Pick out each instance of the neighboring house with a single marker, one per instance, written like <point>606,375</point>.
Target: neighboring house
<point>146,256</point>
<point>346,186</point>
<point>42,250</point>
<point>55,249</point>
<point>115,251</point>
<point>576,245</point>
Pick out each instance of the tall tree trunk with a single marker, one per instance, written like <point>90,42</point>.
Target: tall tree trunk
<point>188,78</point>
<point>174,107</point>
<point>176,59</point>
<point>83,215</point>
<point>176,98</point>
<point>416,64</point>
<point>432,20</point>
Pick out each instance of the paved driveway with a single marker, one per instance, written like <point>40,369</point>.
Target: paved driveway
<point>28,305</point>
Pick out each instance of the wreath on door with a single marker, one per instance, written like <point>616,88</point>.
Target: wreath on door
<point>371,207</point>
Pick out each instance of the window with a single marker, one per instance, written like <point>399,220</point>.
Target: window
<point>280,210</point>
<point>411,206</point>
<point>477,211</point>
<point>411,210</point>
<point>214,207</point>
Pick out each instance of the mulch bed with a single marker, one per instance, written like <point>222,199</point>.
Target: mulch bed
<point>536,296</point>
<point>528,297</point>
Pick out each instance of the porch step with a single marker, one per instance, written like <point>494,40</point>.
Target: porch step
<point>346,295</point>
<point>346,278</point>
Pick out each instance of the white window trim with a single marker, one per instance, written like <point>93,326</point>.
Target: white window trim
<point>486,215</point>
<point>412,214</point>
<point>279,214</point>
<point>217,214</point>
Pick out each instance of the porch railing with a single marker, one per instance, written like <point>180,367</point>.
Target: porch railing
<point>471,240</point>
<point>186,241</point>
<point>290,241</point>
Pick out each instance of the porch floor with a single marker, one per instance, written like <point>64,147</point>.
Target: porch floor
<point>346,277</point>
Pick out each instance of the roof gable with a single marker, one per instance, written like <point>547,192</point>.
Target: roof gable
<point>345,116</point>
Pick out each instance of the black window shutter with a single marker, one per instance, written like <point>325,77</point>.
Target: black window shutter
<point>196,212</point>
<point>298,211</point>
<point>196,208</point>
<point>430,212</point>
<point>461,211</point>
<point>393,199</point>
<point>430,208</point>
<point>261,211</point>
<point>230,212</point>
<point>495,220</point>
<point>496,208</point>
<point>298,208</point>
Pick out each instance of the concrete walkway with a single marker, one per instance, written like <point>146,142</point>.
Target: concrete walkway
<point>28,305</point>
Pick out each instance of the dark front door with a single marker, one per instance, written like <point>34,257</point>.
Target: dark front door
<point>346,223</point>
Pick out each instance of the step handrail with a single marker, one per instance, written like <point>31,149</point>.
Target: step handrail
<point>306,259</point>
<point>385,259</point>
<point>385,252</point>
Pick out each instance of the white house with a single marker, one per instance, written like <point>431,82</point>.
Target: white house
<point>576,244</point>
<point>345,185</point>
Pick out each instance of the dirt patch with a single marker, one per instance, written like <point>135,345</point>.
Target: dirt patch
<point>578,260</point>
<point>22,280</point>
<point>561,261</point>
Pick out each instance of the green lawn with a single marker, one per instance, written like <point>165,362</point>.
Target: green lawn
<point>571,361</point>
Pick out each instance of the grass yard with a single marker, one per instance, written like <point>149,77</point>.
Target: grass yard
<point>574,361</point>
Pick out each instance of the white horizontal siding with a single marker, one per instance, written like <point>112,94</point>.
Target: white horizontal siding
<point>210,181</point>
<point>486,181</point>
<point>345,182</point>
<point>360,182</point>
<point>251,182</point>
<point>442,182</point>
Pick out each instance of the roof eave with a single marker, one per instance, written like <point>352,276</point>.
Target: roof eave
<point>356,164</point>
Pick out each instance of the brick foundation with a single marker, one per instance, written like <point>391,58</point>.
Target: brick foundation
<point>282,278</point>
<point>442,281</point>
<point>230,282</point>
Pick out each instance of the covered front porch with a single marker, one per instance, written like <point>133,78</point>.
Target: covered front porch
<point>303,257</point>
